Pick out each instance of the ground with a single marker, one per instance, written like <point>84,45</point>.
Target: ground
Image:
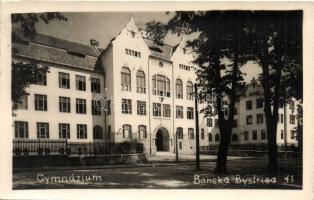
<point>249,173</point>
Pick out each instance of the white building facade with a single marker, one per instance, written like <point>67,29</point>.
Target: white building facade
<point>148,92</point>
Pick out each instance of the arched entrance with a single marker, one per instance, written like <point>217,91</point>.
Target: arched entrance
<point>162,140</point>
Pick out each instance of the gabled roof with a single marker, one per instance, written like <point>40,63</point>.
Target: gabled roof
<point>51,49</point>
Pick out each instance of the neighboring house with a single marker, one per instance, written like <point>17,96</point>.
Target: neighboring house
<point>148,90</point>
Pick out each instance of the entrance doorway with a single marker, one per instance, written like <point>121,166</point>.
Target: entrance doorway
<point>162,140</point>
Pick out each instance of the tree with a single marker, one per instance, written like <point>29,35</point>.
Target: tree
<point>26,73</point>
<point>221,51</point>
<point>277,48</point>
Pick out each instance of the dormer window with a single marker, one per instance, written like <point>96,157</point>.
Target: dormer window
<point>184,50</point>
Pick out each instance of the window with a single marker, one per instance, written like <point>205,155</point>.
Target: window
<point>209,122</point>
<point>64,104</point>
<point>249,105</point>
<point>292,105</point>
<point>133,53</point>
<point>21,129</point>
<point>292,135</point>
<point>157,109</point>
<point>179,89</point>
<point>161,64</point>
<point>22,104</point>
<point>292,119</point>
<point>216,123</point>
<point>235,110</point>
<point>189,90</point>
<point>140,82</point>
<point>81,106</point>
<point>41,78</point>
<point>40,102</point>
<point>166,110</point>
<point>109,107</point>
<point>254,136</point>
<point>142,133</point>
<point>127,131</point>
<point>81,131</point>
<point>249,119</point>
<point>132,34</point>
<point>180,133</point>
<point>80,82</point>
<point>64,80</point>
<point>210,137</point>
<point>96,107</point>
<point>191,133</point>
<point>202,134</point>
<point>190,113</point>
<point>281,134</point>
<point>125,79</point>
<point>109,132</point>
<point>234,137</point>
<point>263,135</point>
<point>217,137</point>
<point>141,107</point>
<point>281,118</point>
<point>126,106</point>
<point>97,133</point>
<point>95,85</point>
<point>259,103</point>
<point>260,118</point>
<point>185,67</point>
<point>235,123</point>
<point>161,85</point>
<point>180,145</point>
<point>246,135</point>
<point>42,130</point>
<point>64,131</point>
<point>179,112</point>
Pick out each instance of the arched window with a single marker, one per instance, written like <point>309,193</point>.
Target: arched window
<point>210,137</point>
<point>191,133</point>
<point>140,82</point>
<point>142,133</point>
<point>217,137</point>
<point>202,134</point>
<point>97,132</point>
<point>179,89</point>
<point>161,85</point>
<point>180,133</point>
<point>234,137</point>
<point>189,90</point>
<point>125,79</point>
<point>127,131</point>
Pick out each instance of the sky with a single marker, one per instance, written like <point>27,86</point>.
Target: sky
<point>103,26</point>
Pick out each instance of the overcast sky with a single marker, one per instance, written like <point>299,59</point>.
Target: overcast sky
<point>103,26</point>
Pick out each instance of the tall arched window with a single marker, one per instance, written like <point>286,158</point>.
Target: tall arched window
<point>234,137</point>
<point>140,82</point>
<point>210,137</point>
<point>217,137</point>
<point>191,133</point>
<point>180,133</point>
<point>161,85</point>
<point>97,132</point>
<point>189,90</point>
<point>127,131</point>
<point>202,134</point>
<point>142,132</point>
<point>179,89</point>
<point>125,79</point>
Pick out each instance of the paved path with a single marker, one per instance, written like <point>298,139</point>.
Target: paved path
<point>167,176</point>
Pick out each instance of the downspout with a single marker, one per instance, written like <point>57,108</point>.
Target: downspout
<point>173,112</point>
<point>149,118</point>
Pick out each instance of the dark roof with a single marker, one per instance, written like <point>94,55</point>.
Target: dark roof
<point>159,50</point>
<point>62,52</point>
